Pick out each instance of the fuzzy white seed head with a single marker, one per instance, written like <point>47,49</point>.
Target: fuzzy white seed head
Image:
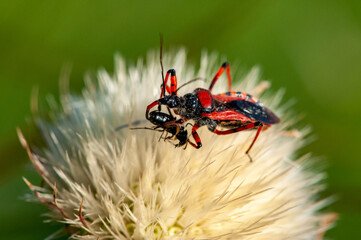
<point>128,184</point>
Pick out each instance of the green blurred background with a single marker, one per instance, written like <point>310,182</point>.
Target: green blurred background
<point>312,48</point>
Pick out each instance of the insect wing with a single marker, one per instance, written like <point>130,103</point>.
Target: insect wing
<point>234,96</point>
<point>226,99</point>
<point>228,114</point>
<point>254,111</point>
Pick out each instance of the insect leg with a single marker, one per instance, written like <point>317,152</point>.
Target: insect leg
<point>165,83</point>
<point>254,140</point>
<point>150,106</point>
<point>192,144</point>
<point>173,82</point>
<point>161,136</point>
<point>248,126</point>
<point>238,129</point>
<point>225,66</point>
<point>196,137</point>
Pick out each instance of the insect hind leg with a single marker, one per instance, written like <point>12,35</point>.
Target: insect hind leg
<point>254,125</point>
<point>254,140</point>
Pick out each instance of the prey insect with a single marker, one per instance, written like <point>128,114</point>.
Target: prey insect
<point>223,114</point>
<point>167,124</point>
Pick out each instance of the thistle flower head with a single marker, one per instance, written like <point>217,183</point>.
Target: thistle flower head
<point>128,184</point>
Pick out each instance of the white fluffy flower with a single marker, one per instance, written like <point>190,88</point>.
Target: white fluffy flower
<point>107,184</point>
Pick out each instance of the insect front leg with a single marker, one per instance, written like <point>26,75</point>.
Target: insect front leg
<point>150,106</point>
<point>173,83</point>
<point>192,144</point>
<point>196,137</point>
<point>225,66</point>
<point>254,125</point>
<point>167,88</point>
<point>189,141</point>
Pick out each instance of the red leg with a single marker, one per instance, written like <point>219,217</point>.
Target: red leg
<point>196,137</point>
<point>248,126</point>
<point>192,144</point>
<point>245,127</point>
<point>225,66</point>
<point>254,140</point>
<point>166,86</point>
<point>150,106</point>
<point>173,83</point>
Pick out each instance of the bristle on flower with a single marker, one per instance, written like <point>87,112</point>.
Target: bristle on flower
<point>128,184</point>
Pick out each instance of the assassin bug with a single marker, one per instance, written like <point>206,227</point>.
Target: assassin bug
<point>234,111</point>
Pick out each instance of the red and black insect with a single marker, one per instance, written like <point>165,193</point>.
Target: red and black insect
<point>233,111</point>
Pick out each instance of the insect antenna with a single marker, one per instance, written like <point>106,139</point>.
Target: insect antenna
<point>161,67</point>
<point>121,127</point>
<point>127,125</point>
<point>147,128</point>
<point>190,81</point>
<point>161,60</point>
